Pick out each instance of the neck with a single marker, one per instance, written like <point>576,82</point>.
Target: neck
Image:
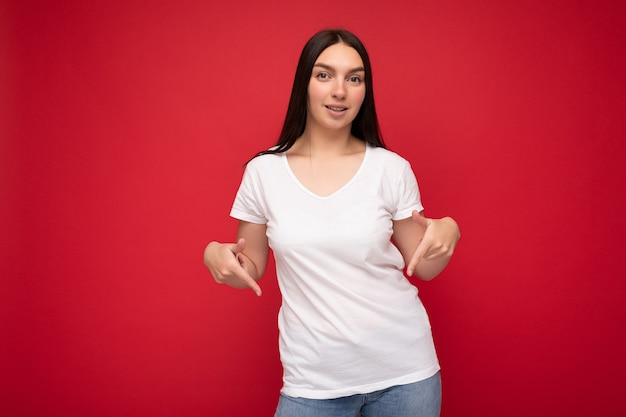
<point>323,142</point>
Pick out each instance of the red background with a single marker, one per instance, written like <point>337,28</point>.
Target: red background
<point>124,129</point>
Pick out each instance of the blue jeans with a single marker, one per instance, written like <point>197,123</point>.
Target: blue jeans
<point>420,399</point>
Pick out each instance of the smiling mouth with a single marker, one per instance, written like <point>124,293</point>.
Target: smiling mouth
<point>336,108</point>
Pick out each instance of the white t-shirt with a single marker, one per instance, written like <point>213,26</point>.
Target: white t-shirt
<point>350,321</point>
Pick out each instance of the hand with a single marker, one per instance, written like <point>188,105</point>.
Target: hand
<point>439,240</point>
<point>229,265</point>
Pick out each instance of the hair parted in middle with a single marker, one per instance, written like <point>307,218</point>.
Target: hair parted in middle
<point>365,125</point>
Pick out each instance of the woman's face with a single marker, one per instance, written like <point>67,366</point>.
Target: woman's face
<point>336,88</point>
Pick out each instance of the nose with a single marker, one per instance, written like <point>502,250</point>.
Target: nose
<point>339,89</point>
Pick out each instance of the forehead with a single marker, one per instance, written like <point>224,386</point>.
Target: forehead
<point>339,56</point>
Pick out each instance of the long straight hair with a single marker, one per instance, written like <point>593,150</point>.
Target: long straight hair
<point>365,124</point>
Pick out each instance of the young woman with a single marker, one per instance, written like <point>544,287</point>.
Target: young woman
<point>343,217</point>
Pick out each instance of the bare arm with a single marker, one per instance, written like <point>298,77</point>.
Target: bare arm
<point>243,263</point>
<point>426,244</point>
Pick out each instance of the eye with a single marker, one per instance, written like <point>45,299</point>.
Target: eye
<point>323,76</point>
<point>355,79</point>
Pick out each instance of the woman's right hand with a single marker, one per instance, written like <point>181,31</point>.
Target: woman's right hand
<point>229,265</point>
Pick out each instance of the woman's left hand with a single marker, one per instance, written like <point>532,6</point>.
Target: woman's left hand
<point>439,240</point>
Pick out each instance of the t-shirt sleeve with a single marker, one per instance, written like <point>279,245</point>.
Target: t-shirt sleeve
<point>408,198</point>
<point>248,205</point>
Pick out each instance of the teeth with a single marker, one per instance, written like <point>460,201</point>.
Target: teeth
<point>336,108</point>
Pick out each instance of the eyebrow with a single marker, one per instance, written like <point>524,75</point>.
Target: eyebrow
<point>329,68</point>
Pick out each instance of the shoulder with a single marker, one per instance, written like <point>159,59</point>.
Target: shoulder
<point>264,162</point>
<point>387,158</point>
